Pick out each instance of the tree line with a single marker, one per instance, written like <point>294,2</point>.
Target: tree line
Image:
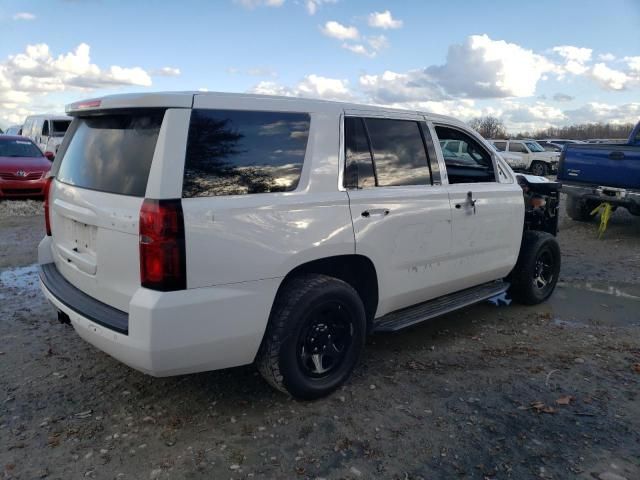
<point>493,127</point>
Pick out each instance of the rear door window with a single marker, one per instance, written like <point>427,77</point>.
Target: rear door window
<point>111,153</point>
<point>517,147</point>
<point>233,152</point>
<point>500,146</point>
<point>398,152</point>
<point>59,127</point>
<point>359,172</point>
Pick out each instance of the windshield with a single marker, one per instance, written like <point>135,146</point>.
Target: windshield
<point>534,146</point>
<point>18,148</point>
<point>60,127</point>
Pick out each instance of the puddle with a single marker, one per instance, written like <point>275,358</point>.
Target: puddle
<point>24,279</point>
<point>589,304</point>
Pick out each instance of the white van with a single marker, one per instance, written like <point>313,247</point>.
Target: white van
<point>46,131</point>
<point>196,231</point>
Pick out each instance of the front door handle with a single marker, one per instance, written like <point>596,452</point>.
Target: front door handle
<point>616,155</point>
<point>375,212</point>
<point>470,202</point>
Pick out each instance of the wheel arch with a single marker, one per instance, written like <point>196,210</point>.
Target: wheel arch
<point>356,270</point>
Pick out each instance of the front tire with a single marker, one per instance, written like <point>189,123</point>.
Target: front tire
<point>315,335</point>
<point>535,275</point>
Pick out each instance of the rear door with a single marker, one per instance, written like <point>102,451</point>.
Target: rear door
<point>487,210</point>
<point>400,210</point>
<point>101,175</point>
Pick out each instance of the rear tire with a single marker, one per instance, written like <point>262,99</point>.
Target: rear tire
<point>315,335</point>
<point>535,275</point>
<point>539,168</point>
<point>579,209</point>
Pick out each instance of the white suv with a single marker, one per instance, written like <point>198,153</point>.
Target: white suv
<point>537,160</point>
<point>196,231</point>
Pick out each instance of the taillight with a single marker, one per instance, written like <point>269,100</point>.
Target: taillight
<point>162,252</point>
<point>47,215</point>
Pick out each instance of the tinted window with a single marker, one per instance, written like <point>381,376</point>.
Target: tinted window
<point>18,148</point>
<point>358,164</point>
<point>111,153</point>
<point>59,127</point>
<point>45,128</point>
<point>239,152</point>
<point>517,147</point>
<point>398,152</point>
<point>500,146</point>
<point>470,163</point>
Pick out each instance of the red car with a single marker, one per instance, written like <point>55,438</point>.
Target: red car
<point>23,168</point>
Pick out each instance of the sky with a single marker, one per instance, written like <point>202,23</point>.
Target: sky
<point>532,64</point>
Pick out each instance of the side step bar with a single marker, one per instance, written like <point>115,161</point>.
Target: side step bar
<point>407,317</point>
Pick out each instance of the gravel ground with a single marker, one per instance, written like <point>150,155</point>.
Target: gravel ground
<point>488,392</point>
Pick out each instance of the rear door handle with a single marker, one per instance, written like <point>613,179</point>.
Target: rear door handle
<point>616,155</point>
<point>375,212</point>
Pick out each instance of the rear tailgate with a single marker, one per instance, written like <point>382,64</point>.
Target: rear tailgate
<point>607,165</point>
<point>95,202</point>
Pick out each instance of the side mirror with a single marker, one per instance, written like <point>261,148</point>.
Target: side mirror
<point>49,155</point>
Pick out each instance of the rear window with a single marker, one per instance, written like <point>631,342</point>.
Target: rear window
<point>18,148</point>
<point>111,153</point>
<point>232,152</point>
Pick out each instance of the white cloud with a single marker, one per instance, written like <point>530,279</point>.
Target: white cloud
<point>251,4</point>
<point>376,43</point>
<point>396,88</point>
<point>313,5</point>
<point>359,49</point>
<point>341,32</point>
<point>609,78</point>
<point>483,67</point>
<point>606,57</point>
<point>633,63</point>
<point>27,77</point>
<point>575,58</point>
<point>24,16</point>
<point>383,20</point>
<point>312,86</point>
<point>562,97</point>
<point>166,72</point>
<point>601,112</point>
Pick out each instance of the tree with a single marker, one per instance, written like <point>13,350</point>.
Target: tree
<point>489,127</point>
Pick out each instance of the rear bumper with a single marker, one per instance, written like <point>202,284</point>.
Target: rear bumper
<point>22,188</point>
<point>615,196</point>
<point>172,333</point>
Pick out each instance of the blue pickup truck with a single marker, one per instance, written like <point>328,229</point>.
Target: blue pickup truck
<point>594,173</point>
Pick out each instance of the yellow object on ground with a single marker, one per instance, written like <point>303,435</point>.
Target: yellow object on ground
<point>604,209</point>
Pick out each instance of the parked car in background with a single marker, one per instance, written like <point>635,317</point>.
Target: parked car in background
<point>549,147</point>
<point>23,168</point>
<point>515,161</point>
<point>560,141</point>
<point>47,131</point>
<point>191,232</point>
<point>538,161</point>
<point>14,130</point>
<point>596,173</point>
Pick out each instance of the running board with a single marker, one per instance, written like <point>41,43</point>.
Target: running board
<point>407,317</point>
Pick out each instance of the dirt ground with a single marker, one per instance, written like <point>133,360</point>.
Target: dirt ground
<point>488,392</point>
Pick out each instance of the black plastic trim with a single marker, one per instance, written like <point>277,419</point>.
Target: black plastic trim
<point>81,303</point>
